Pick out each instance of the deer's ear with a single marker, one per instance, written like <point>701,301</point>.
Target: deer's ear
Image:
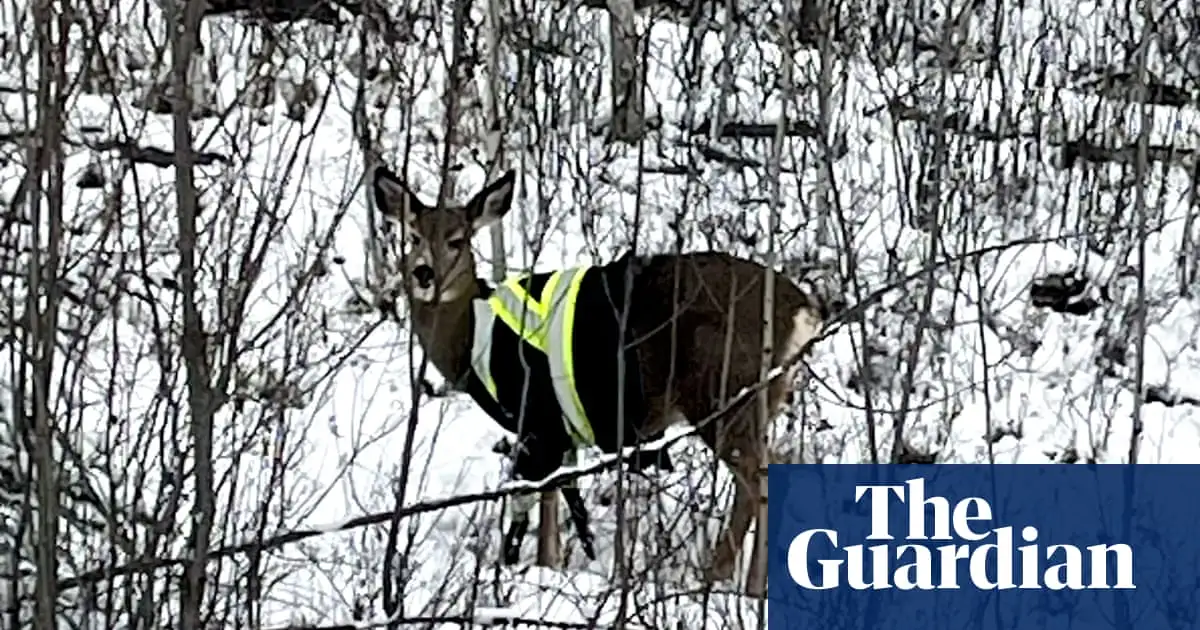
<point>393,199</point>
<point>493,202</point>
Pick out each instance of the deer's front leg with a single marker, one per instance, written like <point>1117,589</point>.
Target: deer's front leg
<point>658,458</point>
<point>532,463</point>
<point>521,505</point>
<point>577,509</point>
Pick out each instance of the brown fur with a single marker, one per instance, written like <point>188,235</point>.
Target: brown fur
<point>719,295</point>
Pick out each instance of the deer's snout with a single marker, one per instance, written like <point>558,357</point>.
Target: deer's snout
<point>423,274</point>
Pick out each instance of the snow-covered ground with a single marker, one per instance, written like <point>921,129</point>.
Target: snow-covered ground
<point>335,454</point>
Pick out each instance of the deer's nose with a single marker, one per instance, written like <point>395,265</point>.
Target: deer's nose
<point>423,274</point>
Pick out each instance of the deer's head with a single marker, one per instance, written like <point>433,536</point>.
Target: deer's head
<point>434,243</point>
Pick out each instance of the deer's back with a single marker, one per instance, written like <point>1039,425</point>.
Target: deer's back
<point>715,302</point>
<point>701,293</point>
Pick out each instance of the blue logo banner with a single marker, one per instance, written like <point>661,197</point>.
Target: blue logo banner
<point>982,547</point>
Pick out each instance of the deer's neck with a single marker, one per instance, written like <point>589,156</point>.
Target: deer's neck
<point>444,330</point>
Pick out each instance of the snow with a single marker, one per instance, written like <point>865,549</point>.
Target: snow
<point>334,454</point>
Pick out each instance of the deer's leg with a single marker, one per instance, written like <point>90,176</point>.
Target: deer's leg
<point>549,553</point>
<point>536,459</point>
<point>579,519</point>
<point>779,394</point>
<point>743,447</point>
<point>657,457</point>
<point>576,508</point>
<point>737,448</point>
<point>532,461</point>
<point>520,505</point>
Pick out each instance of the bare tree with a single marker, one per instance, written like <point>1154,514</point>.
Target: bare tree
<point>100,263</point>
<point>628,77</point>
<point>203,401</point>
<point>191,397</point>
<point>39,339</point>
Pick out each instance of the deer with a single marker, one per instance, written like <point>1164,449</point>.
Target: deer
<point>542,353</point>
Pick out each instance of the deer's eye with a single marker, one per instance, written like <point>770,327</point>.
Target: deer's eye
<point>414,240</point>
<point>457,243</point>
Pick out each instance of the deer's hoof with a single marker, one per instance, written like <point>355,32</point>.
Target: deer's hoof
<point>723,567</point>
<point>715,575</point>
<point>720,568</point>
<point>589,548</point>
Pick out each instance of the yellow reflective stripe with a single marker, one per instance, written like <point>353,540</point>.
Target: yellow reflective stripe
<point>501,310</point>
<point>513,305</point>
<point>583,427</point>
<point>518,291</point>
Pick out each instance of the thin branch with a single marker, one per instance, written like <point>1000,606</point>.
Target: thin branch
<point>481,618</point>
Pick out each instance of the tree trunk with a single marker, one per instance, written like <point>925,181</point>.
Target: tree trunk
<point>39,342</point>
<point>185,29</point>
<point>628,80</point>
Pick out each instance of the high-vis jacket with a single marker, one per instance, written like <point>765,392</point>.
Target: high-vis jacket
<point>545,322</point>
<point>545,349</point>
<point>545,363</point>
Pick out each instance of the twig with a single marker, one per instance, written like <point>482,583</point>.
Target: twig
<point>487,619</point>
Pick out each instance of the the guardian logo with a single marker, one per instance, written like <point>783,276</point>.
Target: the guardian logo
<point>816,560</point>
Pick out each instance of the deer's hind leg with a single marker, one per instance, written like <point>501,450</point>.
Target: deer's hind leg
<point>741,443</point>
<point>735,445</point>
